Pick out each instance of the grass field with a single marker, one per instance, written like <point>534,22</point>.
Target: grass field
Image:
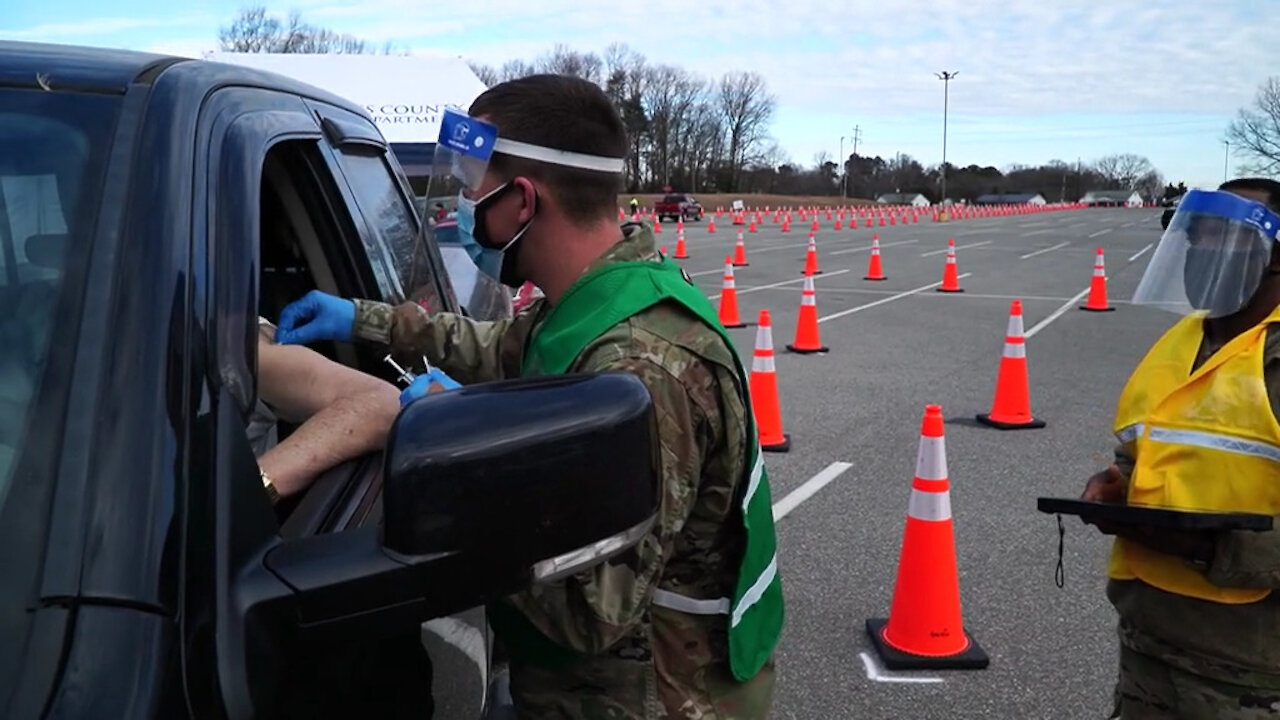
<point>723,200</point>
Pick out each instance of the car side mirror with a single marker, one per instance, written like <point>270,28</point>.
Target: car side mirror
<point>529,479</point>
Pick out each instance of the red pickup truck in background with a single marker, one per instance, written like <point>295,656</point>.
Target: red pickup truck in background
<point>678,206</point>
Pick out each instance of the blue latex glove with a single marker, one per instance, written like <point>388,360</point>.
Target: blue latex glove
<point>316,316</point>
<point>423,383</point>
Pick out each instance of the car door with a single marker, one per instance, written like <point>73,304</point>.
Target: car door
<point>412,269</point>
<point>265,146</point>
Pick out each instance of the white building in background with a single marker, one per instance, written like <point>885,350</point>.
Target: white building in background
<point>912,199</point>
<point>1112,198</point>
<point>404,95</point>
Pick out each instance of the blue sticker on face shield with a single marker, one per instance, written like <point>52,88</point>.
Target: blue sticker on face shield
<point>467,136</point>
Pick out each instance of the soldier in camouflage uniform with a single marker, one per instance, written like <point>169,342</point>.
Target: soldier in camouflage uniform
<point>598,645</point>
<point>1182,655</point>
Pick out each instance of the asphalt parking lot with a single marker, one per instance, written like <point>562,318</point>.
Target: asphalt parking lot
<point>854,415</point>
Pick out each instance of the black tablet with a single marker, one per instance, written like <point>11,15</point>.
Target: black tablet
<point>1154,516</point>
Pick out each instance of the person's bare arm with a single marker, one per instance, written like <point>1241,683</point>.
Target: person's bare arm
<point>344,412</point>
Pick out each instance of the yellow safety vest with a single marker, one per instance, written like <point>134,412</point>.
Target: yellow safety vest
<point>1203,440</point>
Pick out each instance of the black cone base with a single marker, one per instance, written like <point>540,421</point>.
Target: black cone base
<point>781,447</point>
<point>1032,424</point>
<point>971,658</point>
<point>808,351</point>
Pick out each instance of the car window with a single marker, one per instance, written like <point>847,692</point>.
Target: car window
<point>53,151</point>
<point>400,258</point>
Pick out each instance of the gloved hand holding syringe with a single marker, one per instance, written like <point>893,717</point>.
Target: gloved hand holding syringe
<point>432,380</point>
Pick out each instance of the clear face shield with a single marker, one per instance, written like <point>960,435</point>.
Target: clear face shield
<point>1212,257</point>
<point>459,164</point>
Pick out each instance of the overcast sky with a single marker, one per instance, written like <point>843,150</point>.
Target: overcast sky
<point>1037,80</point>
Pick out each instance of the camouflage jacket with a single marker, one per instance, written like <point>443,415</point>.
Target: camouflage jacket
<point>1238,644</point>
<point>645,661</point>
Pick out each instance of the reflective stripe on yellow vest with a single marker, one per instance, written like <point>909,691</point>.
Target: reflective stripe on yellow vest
<point>1204,440</point>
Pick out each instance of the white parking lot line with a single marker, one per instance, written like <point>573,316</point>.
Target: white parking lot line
<point>783,283</point>
<point>808,489</point>
<point>1141,252</point>
<point>1041,252</point>
<point>958,247</point>
<point>1055,314</point>
<point>882,301</point>
<point>876,673</point>
<point>1102,232</point>
<point>868,247</point>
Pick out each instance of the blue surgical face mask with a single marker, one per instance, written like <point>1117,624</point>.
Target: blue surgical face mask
<point>489,261</point>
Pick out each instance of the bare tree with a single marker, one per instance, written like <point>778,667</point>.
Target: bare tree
<point>487,74</point>
<point>1123,171</point>
<point>562,60</point>
<point>254,31</point>
<point>1150,185</point>
<point>1255,133</point>
<point>746,107</point>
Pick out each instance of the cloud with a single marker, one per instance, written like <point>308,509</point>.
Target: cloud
<point>1014,58</point>
<point>58,32</point>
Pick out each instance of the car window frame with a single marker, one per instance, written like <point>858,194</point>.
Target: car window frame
<point>333,150</point>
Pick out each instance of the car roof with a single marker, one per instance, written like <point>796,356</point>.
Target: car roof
<point>26,64</point>
<point>107,70</point>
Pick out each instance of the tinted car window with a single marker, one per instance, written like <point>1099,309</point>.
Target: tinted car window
<point>53,149</point>
<point>400,260</point>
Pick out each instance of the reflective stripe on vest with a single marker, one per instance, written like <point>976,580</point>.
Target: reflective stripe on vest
<point>721,606</point>
<point>1206,440</point>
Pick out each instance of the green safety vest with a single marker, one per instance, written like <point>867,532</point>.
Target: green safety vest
<point>597,302</point>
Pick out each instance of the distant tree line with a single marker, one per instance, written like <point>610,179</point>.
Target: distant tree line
<point>698,134</point>
<point>687,132</point>
<point>1056,180</point>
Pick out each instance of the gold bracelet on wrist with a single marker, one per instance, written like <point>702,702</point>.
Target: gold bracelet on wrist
<point>272,493</point>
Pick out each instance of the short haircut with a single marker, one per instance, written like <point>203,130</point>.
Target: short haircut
<point>564,113</point>
<point>1263,185</point>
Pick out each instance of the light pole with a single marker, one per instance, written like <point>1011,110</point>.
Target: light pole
<point>945,76</point>
<point>843,163</point>
<point>1226,152</point>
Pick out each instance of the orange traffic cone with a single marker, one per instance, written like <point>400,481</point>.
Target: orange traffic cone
<point>1098,287</point>
<point>729,299</point>
<point>950,273</point>
<point>807,338</point>
<point>680,223</point>
<point>786,224</point>
<point>1011,407</point>
<point>764,391</point>
<point>811,258</point>
<point>711,225</point>
<point>657,225</point>
<point>663,249</point>
<point>740,252</point>
<point>837,223</point>
<point>925,628</point>
<point>681,253</point>
<point>752,226</point>
<point>874,271</point>
<point>814,226</point>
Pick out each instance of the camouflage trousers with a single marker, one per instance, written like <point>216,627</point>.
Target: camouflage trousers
<point>1149,689</point>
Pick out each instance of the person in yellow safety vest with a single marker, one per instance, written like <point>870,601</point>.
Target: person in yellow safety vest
<point>635,206</point>
<point>685,623</point>
<point>1199,618</point>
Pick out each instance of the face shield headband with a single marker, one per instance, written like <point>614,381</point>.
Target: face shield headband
<point>463,153</point>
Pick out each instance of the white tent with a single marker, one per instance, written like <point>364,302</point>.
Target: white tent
<point>405,95</point>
